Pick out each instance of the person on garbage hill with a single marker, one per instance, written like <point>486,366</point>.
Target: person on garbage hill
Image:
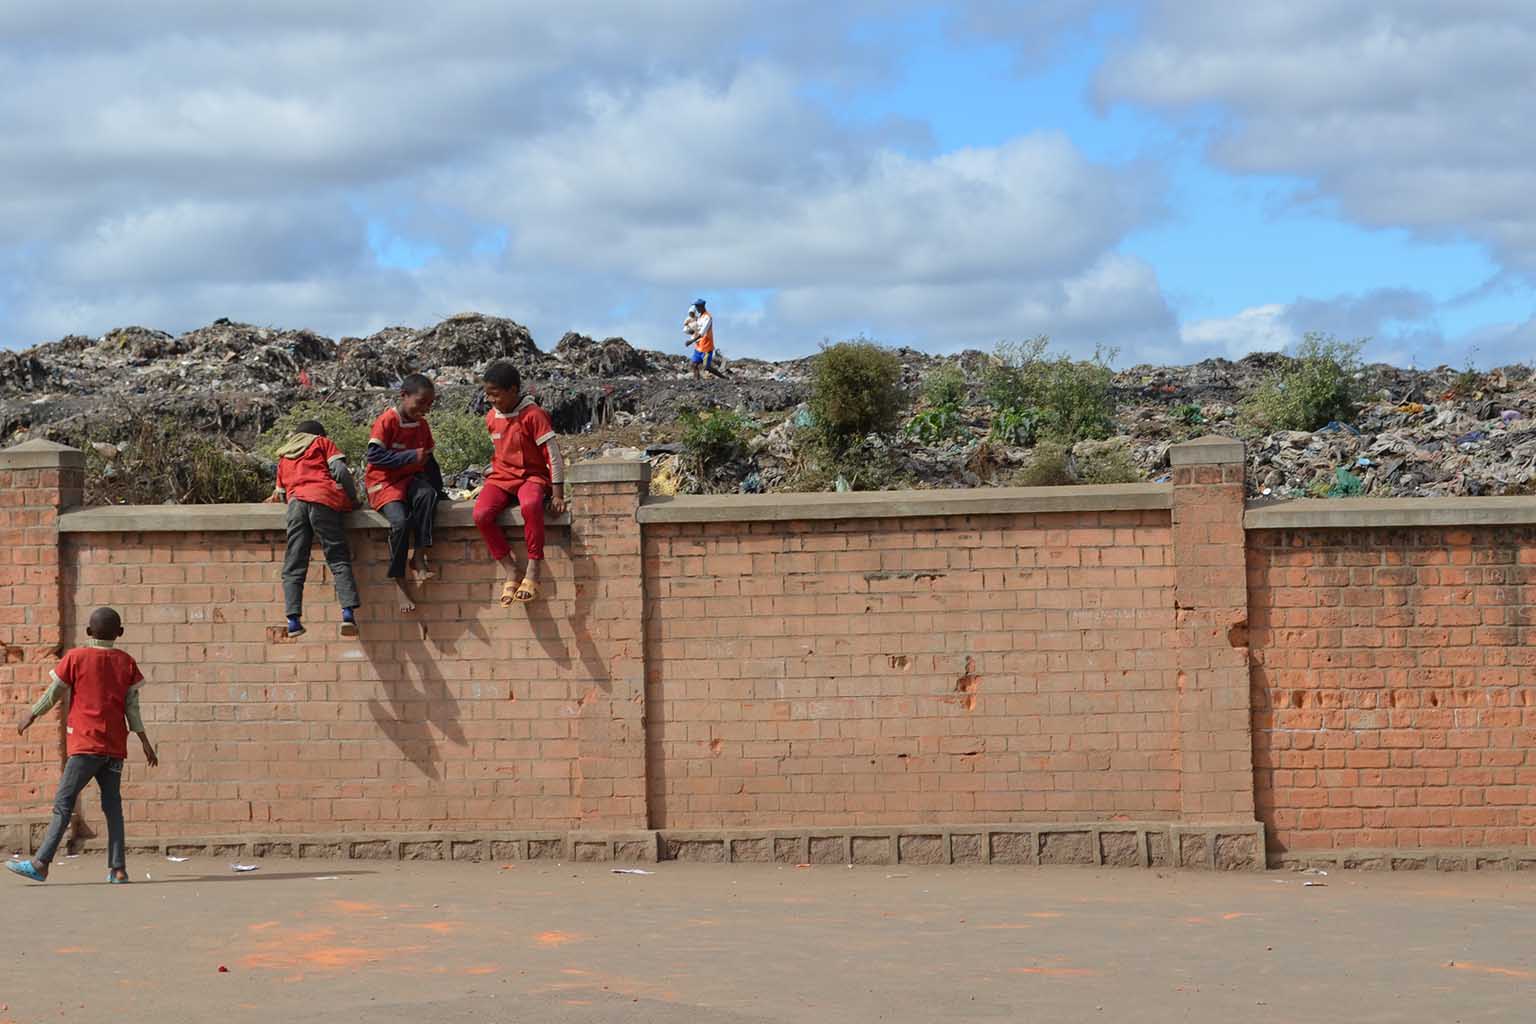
<point>99,686</point>
<point>314,480</point>
<point>699,326</point>
<point>404,483</point>
<point>527,468</point>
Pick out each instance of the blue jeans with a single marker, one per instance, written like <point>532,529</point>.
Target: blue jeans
<point>79,770</point>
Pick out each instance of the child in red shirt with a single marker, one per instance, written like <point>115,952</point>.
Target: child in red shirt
<point>527,467</point>
<point>313,478</point>
<point>101,685</point>
<point>402,481</point>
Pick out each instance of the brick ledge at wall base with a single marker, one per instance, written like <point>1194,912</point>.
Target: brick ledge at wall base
<point>1086,844</point>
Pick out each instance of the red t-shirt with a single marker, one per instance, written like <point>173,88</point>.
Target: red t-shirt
<point>519,438</point>
<point>396,434</point>
<point>99,679</point>
<point>308,477</point>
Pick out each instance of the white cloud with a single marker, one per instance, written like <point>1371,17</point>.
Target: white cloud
<point>1414,114</point>
<point>1257,329</point>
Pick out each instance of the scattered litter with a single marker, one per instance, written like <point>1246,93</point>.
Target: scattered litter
<point>244,867</point>
<point>898,876</point>
<point>802,865</point>
<point>1314,871</point>
<point>326,878</point>
<point>71,856</point>
<point>223,969</point>
<point>147,878</point>
<point>177,860</point>
<point>1309,885</point>
<point>632,871</point>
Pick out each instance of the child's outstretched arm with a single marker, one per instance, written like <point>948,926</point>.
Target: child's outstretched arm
<point>136,723</point>
<point>57,690</point>
<point>342,474</point>
<point>556,476</point>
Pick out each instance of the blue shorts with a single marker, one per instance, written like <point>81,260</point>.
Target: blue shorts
<point>707,359</point>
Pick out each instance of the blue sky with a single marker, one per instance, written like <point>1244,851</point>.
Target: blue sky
<point>1172,178</point>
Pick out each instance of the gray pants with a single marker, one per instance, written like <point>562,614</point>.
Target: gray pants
<point>306,521</point>
<point>410,523</point>
<point>79,770</point>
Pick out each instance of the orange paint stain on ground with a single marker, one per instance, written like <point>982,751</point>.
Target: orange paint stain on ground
<point>354,907</point>
<point>263,926</point>
<point>481,970</point>
<point>1055,972</point>
<point>440,927</point>
<point>553,939</point>
<point>1196,920</point>
<point>1508,972</point>
<point>1044,915</point>
<point>1235,915</point>
<point>73,950</point>
<point>1015,926</point>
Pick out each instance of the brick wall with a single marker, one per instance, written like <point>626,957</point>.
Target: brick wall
<point>875,671</point>
<point>1394,687</point>
<point>463,715</point>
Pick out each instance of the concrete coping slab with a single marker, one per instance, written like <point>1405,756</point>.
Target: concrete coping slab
<point>610,471</point>
<point>1346,513</point>
<point>40,454</point>
<point>727,508</point>
<point>1206,451</point>
<point>247,517</point>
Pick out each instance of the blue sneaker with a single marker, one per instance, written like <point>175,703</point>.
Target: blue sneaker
<point>348,623</point>
<point>25,869</point>
<point>295,627</point>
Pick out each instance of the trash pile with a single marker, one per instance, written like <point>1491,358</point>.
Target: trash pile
<point>1420,432</point>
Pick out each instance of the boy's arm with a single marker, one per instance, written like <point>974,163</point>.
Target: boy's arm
<point>136,723</point>
<point>556,475</point>
<point>342,474</point>
<point>382,457</point>
<point>57,690</point>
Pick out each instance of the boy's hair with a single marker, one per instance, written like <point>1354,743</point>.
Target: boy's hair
<point>310,427</point>
<point>105,621</point>
<point>503,375</point>
<point>416,383</point>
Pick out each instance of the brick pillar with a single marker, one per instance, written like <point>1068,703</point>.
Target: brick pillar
<point>1211,616</point>
<point>605,497</point>
<point>38,480</point>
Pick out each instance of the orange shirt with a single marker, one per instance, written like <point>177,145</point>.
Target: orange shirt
<point>706,327</point>
<point>396,434</point>
<point>308,477</point>
<point>99,679</point>
<point>519,438</point>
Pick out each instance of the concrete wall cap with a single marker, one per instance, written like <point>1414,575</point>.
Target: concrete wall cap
<point>725,508</point>
<point>1347,513</point>
<point>217,518</point>
<point>40,454</point>
<point>1207,451</point>
<point>610,471</point>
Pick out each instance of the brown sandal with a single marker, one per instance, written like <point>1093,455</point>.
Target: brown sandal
<point>526,591</point>
<point>508,594</point>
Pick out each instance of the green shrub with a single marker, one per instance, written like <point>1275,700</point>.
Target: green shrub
<point>1046,468</point>
<point>856,391</point>
<point>864,465</point>
<point>936,425</point>
<point>462,442</point>
<point>1013,426</point>
<point>1318,384</point>
<point>161,461</point>
<point>1070,401</point>
<point>1188,414</point>
<point>1114,466</point>
<point>340,426</point>
<point>944,388</point>
<point>712,440</point>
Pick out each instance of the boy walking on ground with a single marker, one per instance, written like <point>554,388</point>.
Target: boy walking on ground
<point>101,687</point>
<point>402,484</point>
<point>526,468</point>
<point>313,478</point>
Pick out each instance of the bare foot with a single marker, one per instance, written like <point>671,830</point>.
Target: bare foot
<point>421,570</point>
<point>407,600</point>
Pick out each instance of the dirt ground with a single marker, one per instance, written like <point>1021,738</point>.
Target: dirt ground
<point>349,941</point>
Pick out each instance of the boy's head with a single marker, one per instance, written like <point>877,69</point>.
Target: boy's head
<point>503,386</point>
<point>105,624</point>
<point>698,305</point>
<point>309,427</point>
<point>416,395</point>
